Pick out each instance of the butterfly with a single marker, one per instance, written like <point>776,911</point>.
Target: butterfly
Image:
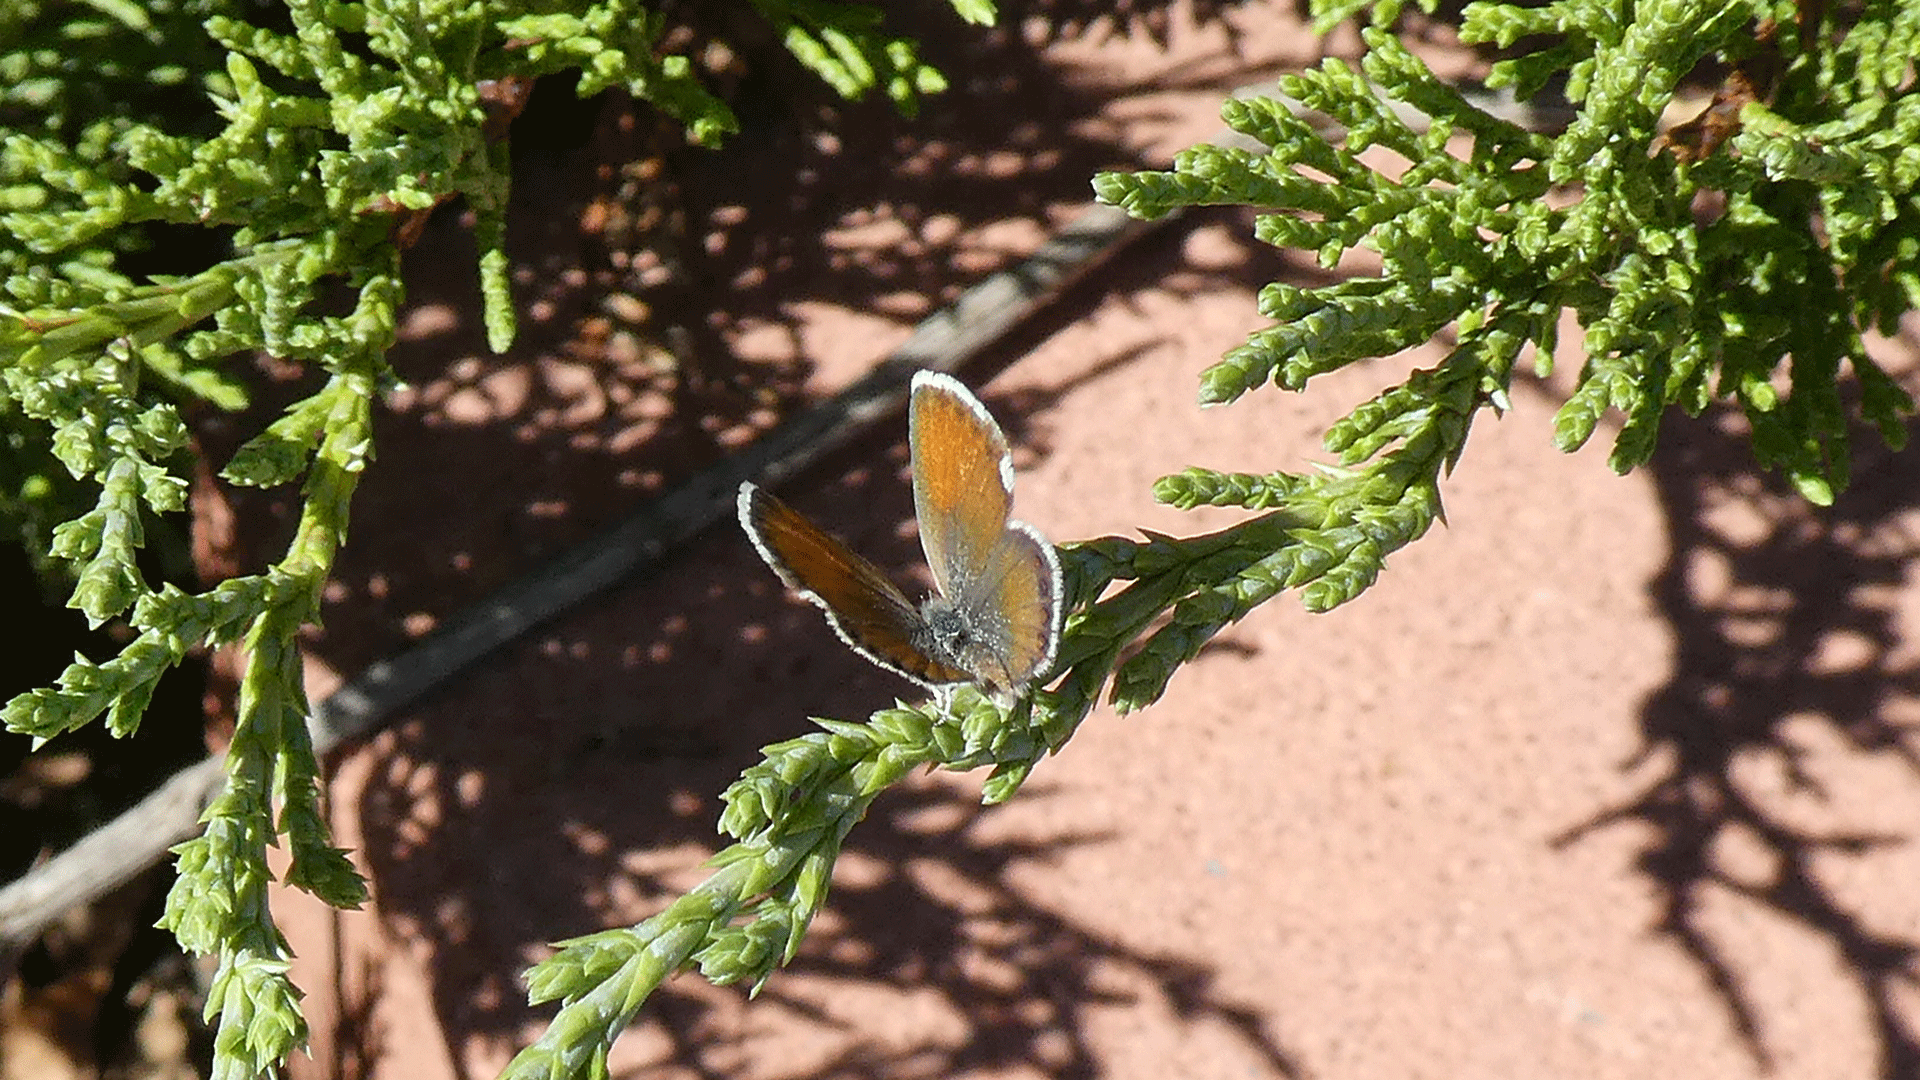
<point>995,619</point>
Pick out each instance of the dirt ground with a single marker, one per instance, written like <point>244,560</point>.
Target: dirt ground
<point>1610,777</point>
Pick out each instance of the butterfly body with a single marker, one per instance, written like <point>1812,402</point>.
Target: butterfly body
<point>994,619</point>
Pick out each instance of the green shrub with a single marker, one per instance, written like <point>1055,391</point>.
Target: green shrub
<point>1739,257</point>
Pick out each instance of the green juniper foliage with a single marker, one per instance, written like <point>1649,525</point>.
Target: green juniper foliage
<point>297,143</point>
<point>1740,258</point>
<point>1812,242</point>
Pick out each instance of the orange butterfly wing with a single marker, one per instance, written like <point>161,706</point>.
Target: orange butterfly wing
<point>866,609</point>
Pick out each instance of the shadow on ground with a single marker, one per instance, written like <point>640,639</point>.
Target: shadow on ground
<point>1788,668</point>
<point>570,782</point>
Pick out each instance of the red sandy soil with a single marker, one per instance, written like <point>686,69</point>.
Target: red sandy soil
<point>1611,777</point>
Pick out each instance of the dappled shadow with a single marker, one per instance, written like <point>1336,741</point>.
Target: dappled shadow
<point>1153,20</point>
<point>570,782</point>
<point>665,292</point>
<point>583,792</point>
<point>939,914</point>
<point>1790,685</point>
